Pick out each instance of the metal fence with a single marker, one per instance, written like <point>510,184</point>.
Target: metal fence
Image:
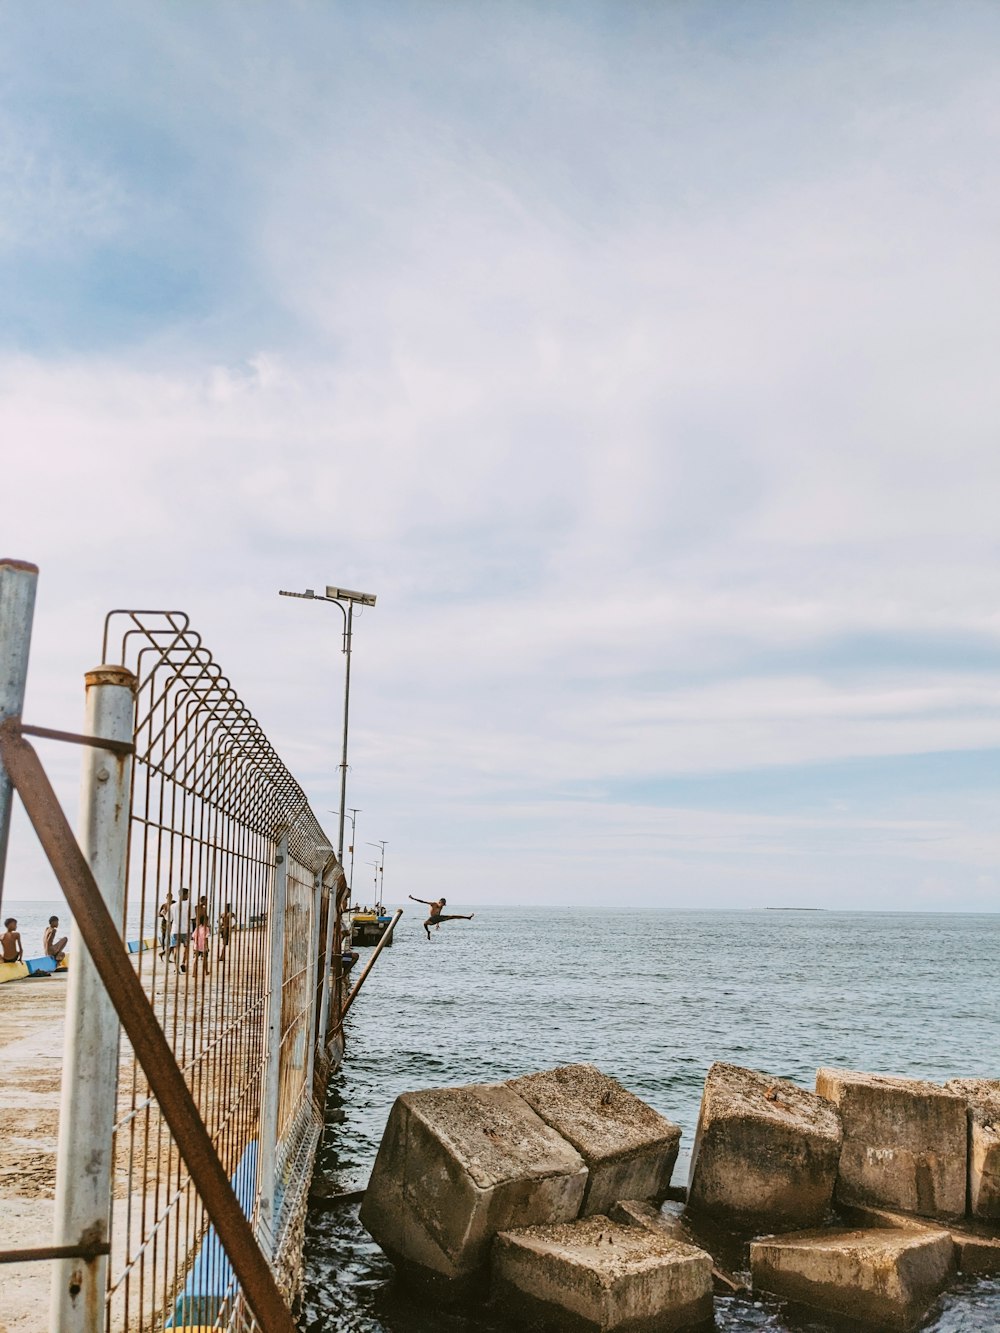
<point>226,895</point>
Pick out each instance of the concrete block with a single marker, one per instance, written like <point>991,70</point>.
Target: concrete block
<point>457,1165</point>
<point>983,1099</point>
<point>886,1278</point>
<point>977,1244</point>
<point>765,1151</point>
<point>595,1275</point>
<point>638,1213</point>
<point>629,1148</point>
<point>904,1142</point>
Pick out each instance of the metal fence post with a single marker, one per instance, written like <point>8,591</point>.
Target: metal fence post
<point>90,1062</point>
<point>315,963</point>
<point>18,581</point>
<point>271,1095</point>
<point>332,916</point>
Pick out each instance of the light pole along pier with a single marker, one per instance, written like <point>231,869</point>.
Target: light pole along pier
<point>344,600</point>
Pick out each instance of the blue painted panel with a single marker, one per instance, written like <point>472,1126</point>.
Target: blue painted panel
<point>211,1275</point>
<point>38,965</point>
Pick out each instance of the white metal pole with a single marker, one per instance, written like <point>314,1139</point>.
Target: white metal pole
<point>332,913</point>
<point>348,623</point>
<point>18,581</point>
<point>84,1162</point>
<point>315,964</point>
<point>268,1141</point>
<point>354,834</point>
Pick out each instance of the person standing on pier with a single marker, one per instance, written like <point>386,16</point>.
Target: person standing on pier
<point>166,914</point>
<point>435,918</point>
<point>200,938</point>
<point>226,923</point>
<point>183,936</point>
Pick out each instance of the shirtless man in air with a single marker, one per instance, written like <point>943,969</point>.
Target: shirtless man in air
<point>435,917</point>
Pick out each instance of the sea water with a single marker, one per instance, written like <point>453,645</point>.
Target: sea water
<point>652,997</point>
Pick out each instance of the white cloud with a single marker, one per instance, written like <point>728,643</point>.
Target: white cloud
<point>638,383</point>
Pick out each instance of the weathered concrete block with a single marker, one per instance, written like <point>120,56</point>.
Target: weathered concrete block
<point>457,1165</point>
<point>983,1098</point>
<point>977,1244</point>
<point>904,1142</point>
<point>592,1274</point>
<point>883,1277</point>
<point>638,1213</point>
<point>629,1148</point>
<point>765,1151</point>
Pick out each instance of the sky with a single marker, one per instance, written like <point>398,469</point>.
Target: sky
<point>640,357</point>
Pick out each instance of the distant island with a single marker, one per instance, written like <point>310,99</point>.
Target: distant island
<point>794,909</point>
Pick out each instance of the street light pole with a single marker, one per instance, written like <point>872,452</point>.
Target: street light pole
<point>354,812</point>
<point>380,874</point>
<point>337,597</point>
<point>348,619</point>
<point>375,904</point>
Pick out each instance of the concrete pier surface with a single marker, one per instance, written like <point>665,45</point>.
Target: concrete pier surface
<point>147,1169</point>
<point>31,1057</point>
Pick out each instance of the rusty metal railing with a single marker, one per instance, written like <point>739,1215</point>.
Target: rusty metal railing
<point>220,826</point>
<point>213,958</point>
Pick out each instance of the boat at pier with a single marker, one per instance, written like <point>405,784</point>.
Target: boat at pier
<point>369,924</point>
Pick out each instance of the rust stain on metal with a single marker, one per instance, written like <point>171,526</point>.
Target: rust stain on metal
<point>38,1253</point>
<point>74,738</point>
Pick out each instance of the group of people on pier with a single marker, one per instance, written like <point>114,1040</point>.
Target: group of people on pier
<point>53,944</point>
<point>195,942</point>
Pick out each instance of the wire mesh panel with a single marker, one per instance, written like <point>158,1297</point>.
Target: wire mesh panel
<point>211,803</point>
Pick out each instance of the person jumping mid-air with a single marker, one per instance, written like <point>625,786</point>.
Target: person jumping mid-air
<point>436,917</point>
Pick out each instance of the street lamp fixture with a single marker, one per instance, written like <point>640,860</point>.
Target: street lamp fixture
<point>344,595</point>
<point>344,600</point>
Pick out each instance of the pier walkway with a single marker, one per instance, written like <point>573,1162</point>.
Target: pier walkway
<point>31,1051</point>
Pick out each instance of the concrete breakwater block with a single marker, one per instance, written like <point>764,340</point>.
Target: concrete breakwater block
<point>905,1142</point>
<point>639,1213</point>
<point>457,1165</point>
<point>629,1148</point>
<point>765,1151</point>
<point>977,1244</point>
<point>982,1096</point>
<point>593,1274</point>
<point>880,1277</point>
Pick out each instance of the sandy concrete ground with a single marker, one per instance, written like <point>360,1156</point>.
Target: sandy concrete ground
<point>32,1013</point>
<point>221,1020</point>
<point>31,1049</point>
